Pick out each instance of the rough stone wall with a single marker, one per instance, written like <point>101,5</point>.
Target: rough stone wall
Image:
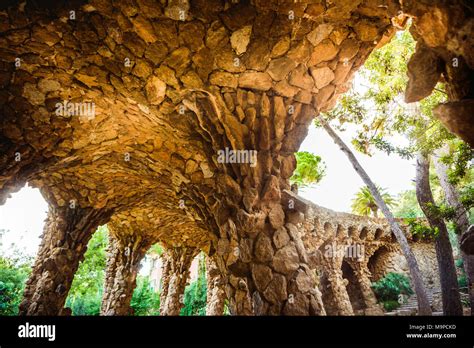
<point>445,53</point>
<point>354,251</point>
<point>177,262</point>
<point>215,289</point>
<point>66,234</point>
<point>393,261</point>
<point>173,83</point>
<point>125,253</point>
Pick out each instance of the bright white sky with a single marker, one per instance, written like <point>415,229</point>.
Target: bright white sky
<point>23,215</point>
<point>341,182</point>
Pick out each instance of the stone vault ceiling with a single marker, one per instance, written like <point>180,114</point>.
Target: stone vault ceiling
<point>119,110</point>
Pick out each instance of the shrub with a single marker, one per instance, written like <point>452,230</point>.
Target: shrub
<point>145,301</point>
<point>12,283</point>
<point>462,282</point>
<point>88,304</point>
<point>195,296</point>
<point>391,286</point>
<point>85,295</point>
<point>390,305</point>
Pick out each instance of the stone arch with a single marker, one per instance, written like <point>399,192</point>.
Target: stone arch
<point>393,238</point>
<point>341,233</point>
<point>224,78</point>
<point>329,231</point>
<point>379,233</point>
<point>352,231</point>
<point>375,263</point>
<point>364,233</point>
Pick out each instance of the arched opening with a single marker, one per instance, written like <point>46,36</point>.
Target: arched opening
<point>352,231</point>
<point>363,233</point>
<point>330,231</point>
<point>353,288</point>
<point>21,220</point>
<point>393,238</point>
<point>341,232</point>
<point>378,233</point>
<point>376,263</point>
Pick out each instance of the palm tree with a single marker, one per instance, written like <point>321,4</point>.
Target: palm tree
<point>364,203</point>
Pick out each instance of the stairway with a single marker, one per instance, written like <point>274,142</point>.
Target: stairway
<point>411,306</point>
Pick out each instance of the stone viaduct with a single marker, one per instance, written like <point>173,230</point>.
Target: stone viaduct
<point>117,111</point>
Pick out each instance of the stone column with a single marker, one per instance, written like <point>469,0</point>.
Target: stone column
<point>179,261</point>
<point>267,261</point>
<point>362,274</point>
<point>336,284</point>
<point>66,234</point>
<point>165,278</point>
<point>215,289</point>
<point>124,256</point>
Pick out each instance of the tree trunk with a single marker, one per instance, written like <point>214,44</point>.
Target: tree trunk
<point>424,307</point>
<point>444,253</point>
<point>461,223</point>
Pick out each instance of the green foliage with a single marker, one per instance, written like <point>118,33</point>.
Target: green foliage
<point>85,295</point>
<point>12,281</point>
<point>462,277</point>
<point>459,161</point>
<point>364,203</point>
<point>389,288</point>
<point>407,205</point>
<point>442,211</point>
<point>145,301</point>
<point>14,270</point>
<point>156,249</point>
<point>462,282</point>
<point>466,194</point>
<point>421,229</point>
<point>310,169</point>
<point>195,295</point>
<point>379,111</point>
<point>390,305</point>
<point>87,304</point>
<point>448,213</point>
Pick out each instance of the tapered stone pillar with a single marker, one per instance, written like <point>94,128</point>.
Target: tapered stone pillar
<point>336,284</point>
<point>124,256</point>
<point>267,263</point>
<point>165,278</point>
<point>177,273</point>
<point>362,275</point>
<point>66,234</point>
<point>215,289</point>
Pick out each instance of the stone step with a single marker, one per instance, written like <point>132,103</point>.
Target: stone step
<point>411,306</point>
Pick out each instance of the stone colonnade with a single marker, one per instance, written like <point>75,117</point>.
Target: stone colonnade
<point>175,84</point>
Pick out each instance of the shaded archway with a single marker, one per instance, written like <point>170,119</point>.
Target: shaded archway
<point>376,263</point>
<point>353,289</point>
<point>175,87</point>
